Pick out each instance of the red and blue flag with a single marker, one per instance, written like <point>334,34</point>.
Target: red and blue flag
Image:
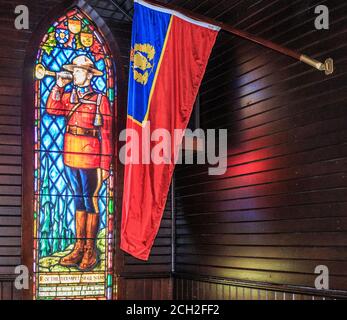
<point>169,55</point>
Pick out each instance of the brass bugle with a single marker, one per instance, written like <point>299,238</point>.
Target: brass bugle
<point>41,72</point>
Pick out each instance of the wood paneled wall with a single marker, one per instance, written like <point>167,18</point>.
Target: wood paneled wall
<point>280,210</point>
<point>8,290</point>
<point>208,289</point>
<point>152,278</point>
<point>146,288</point>
<point>12,54</point>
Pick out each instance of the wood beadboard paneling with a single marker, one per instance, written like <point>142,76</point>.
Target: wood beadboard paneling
<point>192,289</point>
<point>145,288</point>
<point>12,54</point>
<point>149,280</point>
<point>280,209</point>
<point>7,289</point>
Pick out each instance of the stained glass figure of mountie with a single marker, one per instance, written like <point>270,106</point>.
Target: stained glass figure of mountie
<point>87,153</point>
<point>73,234</point>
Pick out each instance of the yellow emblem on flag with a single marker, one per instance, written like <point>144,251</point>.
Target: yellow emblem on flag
<point>74,25</point>
<point>142,59</point>
<point>87,39</point>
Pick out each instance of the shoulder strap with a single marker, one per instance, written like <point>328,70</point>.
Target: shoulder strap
<point>76,106</point>
<point>87,101</point>
<point>72,111</point>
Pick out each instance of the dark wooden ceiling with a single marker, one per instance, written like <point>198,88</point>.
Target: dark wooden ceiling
<point>224,10</point>
<point>118,10</point>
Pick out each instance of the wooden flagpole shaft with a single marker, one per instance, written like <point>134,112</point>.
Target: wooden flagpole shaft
<point>327,66</point>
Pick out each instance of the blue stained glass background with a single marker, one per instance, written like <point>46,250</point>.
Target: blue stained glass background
<point>52,128</point>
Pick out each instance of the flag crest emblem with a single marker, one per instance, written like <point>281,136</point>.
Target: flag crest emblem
<point>142,62</point>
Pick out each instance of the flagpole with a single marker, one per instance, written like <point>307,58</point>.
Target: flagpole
<point>327,66</point>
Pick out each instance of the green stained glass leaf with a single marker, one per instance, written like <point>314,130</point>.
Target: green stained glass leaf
<point>111,206</point>
<point>51,29</point>
<point>50,43</point>
<point>47,49</point>
<point>86,29</point>
<point>79,44</point>
<point>111,94</point>
<point>109,280</point>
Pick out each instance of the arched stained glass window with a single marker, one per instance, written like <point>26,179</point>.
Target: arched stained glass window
<point>74,178</point>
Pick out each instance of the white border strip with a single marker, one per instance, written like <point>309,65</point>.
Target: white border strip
<point>179,15</point>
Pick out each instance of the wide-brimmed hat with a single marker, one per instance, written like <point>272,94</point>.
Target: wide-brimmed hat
<point>83,62</point>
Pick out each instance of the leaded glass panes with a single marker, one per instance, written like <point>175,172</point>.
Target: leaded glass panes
<point>74,179</point>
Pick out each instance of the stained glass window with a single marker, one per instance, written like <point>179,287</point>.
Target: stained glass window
<point>75,99</point>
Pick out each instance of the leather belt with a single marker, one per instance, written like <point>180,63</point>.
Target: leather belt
<point>78,131</point>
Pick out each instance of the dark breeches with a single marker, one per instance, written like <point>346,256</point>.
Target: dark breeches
<point>83,184</point>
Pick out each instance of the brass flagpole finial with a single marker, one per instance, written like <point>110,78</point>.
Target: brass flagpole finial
<point>327,66</point>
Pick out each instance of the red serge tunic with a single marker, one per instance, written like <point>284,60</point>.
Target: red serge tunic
<point>84,151</point>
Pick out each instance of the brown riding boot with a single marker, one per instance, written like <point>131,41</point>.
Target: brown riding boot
<point>90,257</point>
<point>76,255</point>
